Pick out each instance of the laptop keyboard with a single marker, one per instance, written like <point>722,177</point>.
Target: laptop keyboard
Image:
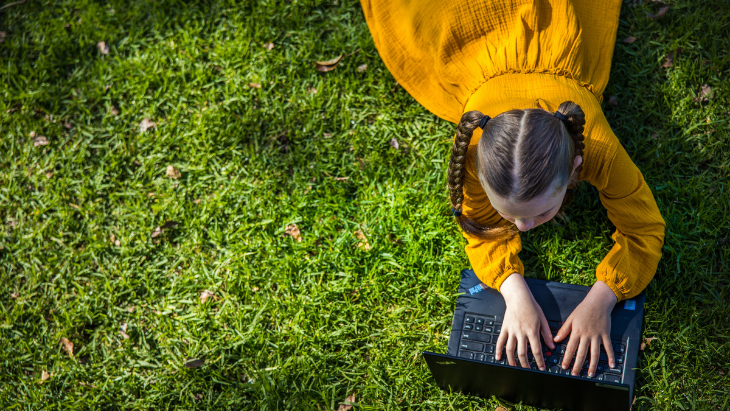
<point>479,339</point>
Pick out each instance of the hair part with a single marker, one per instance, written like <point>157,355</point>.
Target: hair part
<point>522,153</point>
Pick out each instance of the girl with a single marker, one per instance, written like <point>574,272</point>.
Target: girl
<point>528,76</point>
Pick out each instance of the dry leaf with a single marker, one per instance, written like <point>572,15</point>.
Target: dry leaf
<point>172,172</point>
<point>347,405</point>
<point>68,346</point>
<point>2,37</point>
<point>363,240</point>
<point>157,231</point>
<point>123,331</point>
<point>15,295</point>
<point>293,231</point>
<point>629,40</point>
<point>146,124</point>
<point>254,85</point>
<point>197,201</point>
<point>329,65</point>
<point>32,134</point>
<point>254,289</point>
<point>269,46</point>
<point>196,363</point>
<point>40,141</point>
<point>114,111</point>
<point>45,376</point>
<point>131,309</point>
<point>662,11</point>
<point>613,101</point>
<point>49,174</point>
<point>205,295</point>
<point>312,90</point>
<point>362,68</point>
<point>704,95</point>
<point>669,60</point>
<point>501,409</point>
<point>645,342</point>
<point>394,143</point>
<point>103,47</point>
<point>114,240</point>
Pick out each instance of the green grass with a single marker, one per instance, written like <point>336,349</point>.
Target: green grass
<point>302,325</point>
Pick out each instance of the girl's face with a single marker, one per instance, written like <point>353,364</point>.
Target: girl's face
<point>527,215</point>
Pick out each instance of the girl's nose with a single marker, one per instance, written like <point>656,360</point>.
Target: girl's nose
<point>524,225</point>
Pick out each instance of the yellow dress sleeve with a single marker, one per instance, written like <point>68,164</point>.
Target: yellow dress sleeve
<point>495,259</point>
<point>639,236</point>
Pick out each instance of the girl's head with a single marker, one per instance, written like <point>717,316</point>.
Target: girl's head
<point>525,160</point>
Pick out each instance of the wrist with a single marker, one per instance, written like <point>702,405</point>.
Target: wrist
<point>603,293</point>
<point>514,289</point>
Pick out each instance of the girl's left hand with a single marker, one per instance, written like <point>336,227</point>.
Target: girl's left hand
<point>589,326</point>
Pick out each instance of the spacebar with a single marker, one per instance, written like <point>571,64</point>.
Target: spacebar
<point>477,337</point>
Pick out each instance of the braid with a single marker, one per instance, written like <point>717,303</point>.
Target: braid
<point>575,126</point>
<point>457,164</point>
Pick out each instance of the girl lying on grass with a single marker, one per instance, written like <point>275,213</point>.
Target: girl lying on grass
<point>528,76</point>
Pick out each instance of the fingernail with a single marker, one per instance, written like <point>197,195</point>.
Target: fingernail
<point>564,367</point>
<point>575,374</point>
<point>590,374</point>
<point>613,365</point>
<point>542,368</point>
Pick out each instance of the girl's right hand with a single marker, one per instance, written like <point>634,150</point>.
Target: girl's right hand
<point>523,323</point>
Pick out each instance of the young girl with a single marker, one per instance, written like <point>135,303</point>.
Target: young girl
<point>528,76</point>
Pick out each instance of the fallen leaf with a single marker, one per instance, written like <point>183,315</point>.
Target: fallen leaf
<point>157,231</point>
<point>394,143</point>
<point>254,85</point>
<point>704,95</point>
<point>501,409</point>
<point>146,124</point>
<point>293,231</point>
<point>114,240</point>
<point>329,65</point>
<point>613,101</point>
<point>172,172</point>
<point>197,201</point>
<point>669,59</point>
<point>45,376</point>
<point>205,295</point>
<point>662,11</point>
<point>347,405</point>
<point>40,141</point>
<point>361,68</point>
<point>269,46</point>
<point>629,40</point>
<point>49,174</point>
<point>645,342</point>
<point>32,134</point>
<point>312,90</point>
<point>2,37</point>
<point>123,331</point>
<point>103,47</point>
<point>254,289</point>
<point>68,346</point>
<point>363,240</point>
<point>114,111</point>
<point>131,309</point>
<point>170,224</point>
<point>196,363</point>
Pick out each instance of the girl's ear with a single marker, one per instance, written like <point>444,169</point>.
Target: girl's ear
<point>578,161</point>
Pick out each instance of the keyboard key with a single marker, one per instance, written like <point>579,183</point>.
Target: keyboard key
<point>485,338</point>
<point>466,354</point>
<point>480,357</point>
<point>480,321</point>
<point>489,322</point>
<point>618,370</point>
<point>554,324</point>
<point>612,378</point>
<point>566,372</point>
<point>489,358</point>
<point>472,346</point>
<point>604,356</point>
<point>502,361</point>
<point>619,359</point>
<point>487,329</point>
<point>470,319</point>
<point>619,348</point>
<point>600,377</point>
<point>478,327</point>
<point>554,369</point>
<point>490,349</point>
<point>498,329</point>
<point>601,366</point>
<point>560,349</point>
<point>468,327</point>
<point>554,360</point>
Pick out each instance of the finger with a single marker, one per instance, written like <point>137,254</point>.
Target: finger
<point>564,330</point>
<point>500,343</point>
<point>547,335</point>
<point>595,356</point>
<point>569,351</point>
<point>522,352</point>
<point>580,357</point>
<point>510,347</point>
<point>536,352</point>
<point>609,351</point>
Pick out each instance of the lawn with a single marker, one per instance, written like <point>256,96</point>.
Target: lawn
<point>280,237</point>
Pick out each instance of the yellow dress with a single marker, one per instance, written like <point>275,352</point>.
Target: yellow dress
<point>493,56</point>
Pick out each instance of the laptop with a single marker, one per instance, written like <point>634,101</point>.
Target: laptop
<point>469,366</point>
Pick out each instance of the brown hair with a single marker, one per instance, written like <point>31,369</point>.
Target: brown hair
<point>521,154</point>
